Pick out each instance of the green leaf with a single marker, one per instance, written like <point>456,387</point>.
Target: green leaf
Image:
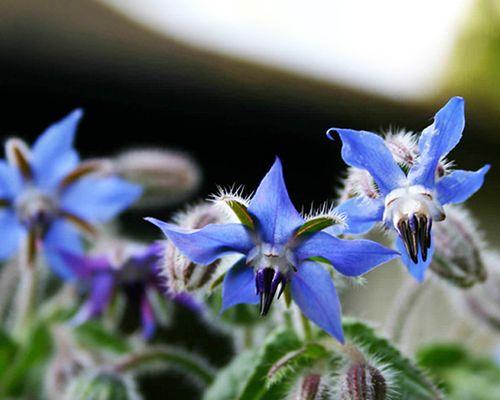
<point>92,334</point>
<point>25,369</point>
<point>230,380</point>
<point>463,375</point>
<point>241,212</point>
<point>245,377</point>
<point>8,349</point>
<point>292,363</point>
<point>412,383</point>
<point>316,225</point>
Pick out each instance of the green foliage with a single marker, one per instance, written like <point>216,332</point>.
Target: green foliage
<point>269,372</point>
<point>25,361</point>
<point>463,376</point>
<point>102,386</point>
<point>93,335</point>
<point>411,382</point>
<point>247,377</point>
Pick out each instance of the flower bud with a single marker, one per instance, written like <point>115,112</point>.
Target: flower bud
<point>483,301</point>
<point>182,274</point>
<point>363,378</point>
<point>67,363</point>
<point>166,176</point>
<point>458,249</point>
<point>362,381</point>
<point>309,387</point>
<point>92,385</point>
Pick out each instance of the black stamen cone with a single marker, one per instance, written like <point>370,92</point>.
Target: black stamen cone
<point>415,232</point>
<point>267,281</point>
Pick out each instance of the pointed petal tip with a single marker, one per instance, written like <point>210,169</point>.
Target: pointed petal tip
<point>159,223</point>
<point>330,133</point>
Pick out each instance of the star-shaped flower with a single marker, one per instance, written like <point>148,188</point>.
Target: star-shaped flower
<point>280,247</point>
<point>409,199</point>
<point>47,195</point>
<point>126,267</point>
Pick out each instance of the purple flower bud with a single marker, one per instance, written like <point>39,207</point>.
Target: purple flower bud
<point>166,176</point>
<point>362,381</point>
<point>459,247</point>
<point>309,387</point>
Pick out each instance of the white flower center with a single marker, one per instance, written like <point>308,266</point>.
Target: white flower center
<point>404,203</point>
<point>35,207</point>
<point>265,255</point>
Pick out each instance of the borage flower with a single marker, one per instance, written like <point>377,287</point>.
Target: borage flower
<point>128,268</point>
<point>280,247</point>
<point>410,191</point>
<point>47,196</point>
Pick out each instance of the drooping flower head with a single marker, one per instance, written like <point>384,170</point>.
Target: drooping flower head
<point>125,267</point>
<point>279,247</point>
<point>48,196</point>
<point>412,183</point>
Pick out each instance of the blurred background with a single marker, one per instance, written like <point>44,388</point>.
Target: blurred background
<point>234,83</point>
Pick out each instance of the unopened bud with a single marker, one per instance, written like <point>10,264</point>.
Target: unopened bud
<point>458,249</point>
<point>166,176</point>
<point>98,385</point>
<point>363,378</point>
<point>363,382</point>
<point>483,301</point>
<point>309,387</point>
<point>67,363</point>
<point>182,274</point>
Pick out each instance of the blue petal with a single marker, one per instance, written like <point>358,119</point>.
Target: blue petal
<point>366,150</point>
<point>314,292</point>
<point>275,215</point>
<point>437,140</point>
<point>11,234</point>
<point>10,181</point>
<point>61,237</point>
<point>360,214</point>
<point>460,185</point>
<point>349,257</point>
<point>239,286</point>
<point>417,270</point>
<point>99,199</point>
<point>147,317</point>
<point>53,155</point>
<point>101,292</point>
<point>83,267</point>
<point>204,246</point>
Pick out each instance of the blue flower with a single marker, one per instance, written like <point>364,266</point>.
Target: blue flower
<point>126,267</point>
<point>47,196</point>
<point>279,247</point>
<point>409,198</point>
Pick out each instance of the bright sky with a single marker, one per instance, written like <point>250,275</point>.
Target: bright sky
<point>395,47</point>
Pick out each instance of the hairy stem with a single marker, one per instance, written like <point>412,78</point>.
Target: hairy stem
<point>26,298</point>
<point>404,303</point>
<point>175,358</point>
<point>8,278</point>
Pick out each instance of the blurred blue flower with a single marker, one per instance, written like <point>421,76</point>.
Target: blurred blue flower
<point>409,199</point>
<point>126,267</point>
<point>280,247</point>
<point>47,196</point>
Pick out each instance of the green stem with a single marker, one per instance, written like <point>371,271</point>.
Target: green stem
<point>190,363</point>
<point>8,277</point>
<point>404,303</point>
<point>306,326</point>
<point>26,299</point>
